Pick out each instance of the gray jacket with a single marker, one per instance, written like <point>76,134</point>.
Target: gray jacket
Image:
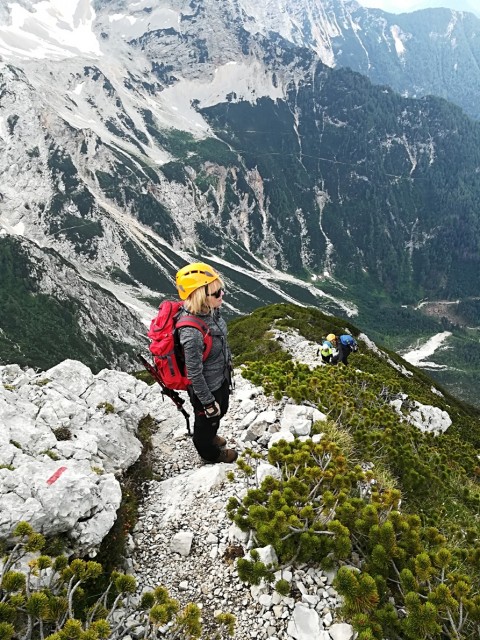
<point>206,376</point>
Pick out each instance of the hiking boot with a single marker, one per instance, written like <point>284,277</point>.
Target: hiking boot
<point>227,455</point>
<point>219,441</point>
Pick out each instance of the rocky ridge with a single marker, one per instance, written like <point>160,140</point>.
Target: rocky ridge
<point>184,540</point>
<point>67,437</point>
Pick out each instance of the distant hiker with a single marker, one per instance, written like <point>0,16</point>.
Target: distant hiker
<point>326,351</point>
<point>345,345</point>
<point>202,290</point>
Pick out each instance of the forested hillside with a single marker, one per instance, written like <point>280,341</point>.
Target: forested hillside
<point>43,320</point>
<point>399,208</point>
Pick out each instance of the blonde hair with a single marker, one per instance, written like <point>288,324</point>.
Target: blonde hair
<point>197,301</point>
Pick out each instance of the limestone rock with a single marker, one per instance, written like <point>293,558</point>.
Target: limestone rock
<point>341,631</point>
<point>305,623</point>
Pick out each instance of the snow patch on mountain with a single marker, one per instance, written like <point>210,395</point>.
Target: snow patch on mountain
<point>251,80</point>
<point>452,24</point>
<point>418,356</point>
<point>398,37</point>
<point>143,17</point>
<point>52,29</point>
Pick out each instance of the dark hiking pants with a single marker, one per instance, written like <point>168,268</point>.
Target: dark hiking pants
<point>342,356</point>
<point>205,429</point>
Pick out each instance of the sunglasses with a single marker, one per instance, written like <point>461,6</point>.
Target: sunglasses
<point>217,293</point>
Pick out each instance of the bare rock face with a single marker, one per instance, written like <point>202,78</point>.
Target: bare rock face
<point>66,436</point>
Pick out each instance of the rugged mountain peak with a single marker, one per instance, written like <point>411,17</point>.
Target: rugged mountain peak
<point>212,129</point>
<point>311,23</point>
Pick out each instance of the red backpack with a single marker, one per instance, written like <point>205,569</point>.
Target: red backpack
<point>165,345</point>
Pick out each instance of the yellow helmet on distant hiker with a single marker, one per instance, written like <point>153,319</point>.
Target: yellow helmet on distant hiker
<point>194,276</point>
<point>331,337</point>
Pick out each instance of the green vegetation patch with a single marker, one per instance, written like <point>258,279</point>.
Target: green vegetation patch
<point>53,598</point>
<point>80,230</point>
<point>423,559</point>
<point>56,321</point>
<point>145,271</point>
<point>250,336</point>
<point>112,548</point>
<point>430,545</point>
<point>185,147</point>
<point>174,172</point>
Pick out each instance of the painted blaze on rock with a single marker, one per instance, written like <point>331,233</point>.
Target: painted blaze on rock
<point>67,484</point>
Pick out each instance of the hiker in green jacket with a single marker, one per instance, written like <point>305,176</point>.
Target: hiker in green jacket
<point>326,351</point>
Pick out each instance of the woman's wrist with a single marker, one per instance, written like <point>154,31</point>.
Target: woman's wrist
<point>212,410</point>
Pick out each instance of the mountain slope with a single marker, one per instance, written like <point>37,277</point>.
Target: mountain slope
<point>48,311</point>
<point>367,474</point>
<point>180,130</point>
<point>353,151</point>
<point>433,51</point>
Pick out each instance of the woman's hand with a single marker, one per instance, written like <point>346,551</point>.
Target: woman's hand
<point>212,410</point>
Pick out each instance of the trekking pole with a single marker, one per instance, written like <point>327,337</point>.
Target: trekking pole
<point>170,393</point>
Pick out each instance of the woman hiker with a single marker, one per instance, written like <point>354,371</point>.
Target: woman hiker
<point>201,289</point>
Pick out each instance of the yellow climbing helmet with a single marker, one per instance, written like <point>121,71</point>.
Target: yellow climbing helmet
<point>331,337</point>
<point>194,276</point>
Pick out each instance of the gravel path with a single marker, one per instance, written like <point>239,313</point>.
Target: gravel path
<point>184,540</point>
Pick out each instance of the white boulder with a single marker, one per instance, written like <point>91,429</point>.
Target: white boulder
<point>264,469</point>
<point>305,624</point>
<point>281,435</point>
<point>341,631</point>
<point>267,555</point>
<point>182,543</point>
<point>299,419</point>
<point>66,434</point>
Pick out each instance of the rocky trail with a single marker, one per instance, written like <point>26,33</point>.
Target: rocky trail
<point>185,541</point>
<point>68,436</point>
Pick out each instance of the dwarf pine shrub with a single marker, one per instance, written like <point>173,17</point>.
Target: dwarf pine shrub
<point>409,583</point>
<point>43,598</point>
<point>417,571</point>
<point>282,587</point>
<point>438,476</point>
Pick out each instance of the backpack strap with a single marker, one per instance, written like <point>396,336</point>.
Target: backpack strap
<point>198,323</point>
